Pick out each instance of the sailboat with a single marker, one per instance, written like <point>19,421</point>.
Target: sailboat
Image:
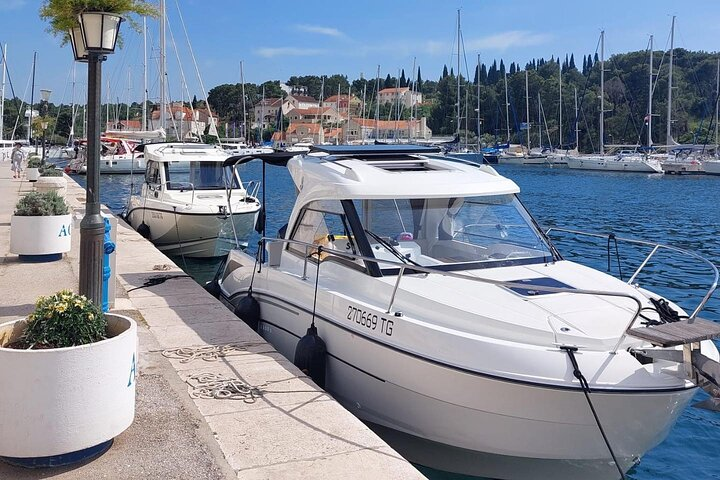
<point>463,151</point>
<point>517,154</point>
<point>624,161</point>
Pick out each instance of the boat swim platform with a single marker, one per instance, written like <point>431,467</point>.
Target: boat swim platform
<point>682,332</point>
<point>286,428</point>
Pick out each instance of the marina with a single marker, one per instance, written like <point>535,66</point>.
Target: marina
<point>605,198</point>
<point>352,256</point>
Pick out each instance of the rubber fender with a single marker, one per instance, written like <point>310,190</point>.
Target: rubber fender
<point>144,230</point>
<point>248,309</point>
<point>213,288</point>
<point>310,354</point>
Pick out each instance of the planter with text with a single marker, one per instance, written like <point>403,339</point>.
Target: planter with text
<point>41,227</point>
<point>64,405</point>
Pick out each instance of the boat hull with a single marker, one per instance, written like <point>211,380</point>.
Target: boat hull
<point>191,234</point>
<point>472,416</point>
<point>531,160</point>
<point>612,164</point>
<point>122,165</point>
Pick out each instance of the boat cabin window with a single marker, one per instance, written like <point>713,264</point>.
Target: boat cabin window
<point>152,173</point>
<point>325,224</point>
<point>453,233</point>
<point>202,175</point>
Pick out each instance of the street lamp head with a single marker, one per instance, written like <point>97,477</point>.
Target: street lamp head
<point>100,31</point>
<point>45,94</point>
<point>78,45</point>
<point>44,125</point>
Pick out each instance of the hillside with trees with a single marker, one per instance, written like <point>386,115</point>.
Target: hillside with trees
<point>626,99</point>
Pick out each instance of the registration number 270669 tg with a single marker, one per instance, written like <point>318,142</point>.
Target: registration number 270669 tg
<point>370,320</point>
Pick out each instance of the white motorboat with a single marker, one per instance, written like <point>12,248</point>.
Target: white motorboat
<point>452,324</point>
<point>201,210</point>
<point>117,156</point>
<point>519,155</point>
<point>622,162</point>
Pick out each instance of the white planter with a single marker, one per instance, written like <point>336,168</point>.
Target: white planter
<point>66,399</point>
<point>48,184</point>
<point>40,235</point>
<point>32,174</point>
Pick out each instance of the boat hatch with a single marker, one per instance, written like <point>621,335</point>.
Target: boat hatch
<point>419,165</point>
<point>529,291</point>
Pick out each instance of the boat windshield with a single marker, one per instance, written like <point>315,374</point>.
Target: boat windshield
<point>453,233</point>
<point>201,176</point>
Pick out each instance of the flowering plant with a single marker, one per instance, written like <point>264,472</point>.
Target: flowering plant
<point>64,319</point>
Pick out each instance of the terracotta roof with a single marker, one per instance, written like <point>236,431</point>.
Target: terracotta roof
<point>312,128</point>
<point>270,102</point>
<point>385,124</point>
<point>130,123</point>
<point>395,90</point>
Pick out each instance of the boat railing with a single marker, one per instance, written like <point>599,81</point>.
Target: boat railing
<point>312,249</point>
<point>251,188</point>
<point>655,247</point>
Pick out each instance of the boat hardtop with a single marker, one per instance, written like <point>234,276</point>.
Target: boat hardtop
<point>183,152</point>
<point>404,173</point>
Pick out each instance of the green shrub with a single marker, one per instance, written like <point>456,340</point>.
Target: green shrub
<point>50,171</point>
<point>36,204</point>
<point>34,161</point>
<point>64,319</point>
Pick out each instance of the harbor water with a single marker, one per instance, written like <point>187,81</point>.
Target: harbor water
<point>675,210</point>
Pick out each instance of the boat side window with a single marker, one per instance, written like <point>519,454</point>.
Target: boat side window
<point>325,224</point>
<point>152,173</point>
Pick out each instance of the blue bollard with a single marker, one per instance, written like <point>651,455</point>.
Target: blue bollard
<point>108,248</point>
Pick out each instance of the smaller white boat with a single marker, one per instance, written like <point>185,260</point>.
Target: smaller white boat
<point>519,155</point>
<point>624,161</point>
<point>116,157</point>
<point>712,167</point>
<point>197,210</point>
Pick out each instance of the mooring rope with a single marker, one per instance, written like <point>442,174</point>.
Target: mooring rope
<point>216,386</point>
<point>208,353</point>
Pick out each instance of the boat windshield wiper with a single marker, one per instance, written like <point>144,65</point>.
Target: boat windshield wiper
<point>391,248</point>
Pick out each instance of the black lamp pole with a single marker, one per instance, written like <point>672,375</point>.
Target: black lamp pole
<point>92,226</point>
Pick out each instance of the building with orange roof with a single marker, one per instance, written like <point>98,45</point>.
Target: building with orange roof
<point>362,129</point>
<point>402,95</point>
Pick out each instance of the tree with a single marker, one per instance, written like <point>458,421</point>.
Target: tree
<point>502,68</point>
<point>445,71</point>
<point>403,80</point>
<point>572,62</point>
<point>419,81</point>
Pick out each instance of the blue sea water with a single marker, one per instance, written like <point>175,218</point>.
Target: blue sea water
<point>679,211</point>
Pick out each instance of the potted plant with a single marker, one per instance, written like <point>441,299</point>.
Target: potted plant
<point>32,172</point>
<point>69,375</point>
<point>41,226</point>
<point>51,179</point>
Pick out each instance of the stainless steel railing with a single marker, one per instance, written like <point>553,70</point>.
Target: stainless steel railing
<point>311,249</point>
<point>655,247</point>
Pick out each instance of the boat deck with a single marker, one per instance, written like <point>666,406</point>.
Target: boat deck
<point>678,333</point>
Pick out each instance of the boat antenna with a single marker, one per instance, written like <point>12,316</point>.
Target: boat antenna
<point>317,277</point>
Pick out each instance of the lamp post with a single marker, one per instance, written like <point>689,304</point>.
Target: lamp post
<point>95,38</point>
<point>43,125</point>
<point>45,98</point>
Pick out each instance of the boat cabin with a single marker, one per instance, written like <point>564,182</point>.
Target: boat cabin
<point>407,206</point>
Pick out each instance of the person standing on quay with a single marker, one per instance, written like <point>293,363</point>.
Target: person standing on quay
<point>16,156</point>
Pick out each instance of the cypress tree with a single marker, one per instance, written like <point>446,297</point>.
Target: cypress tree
<point>596,59</point>
<point>502,68</point>
<point>589,63</point>
<point>572,62</point>
<point>445,71</point>
<point>419,81</point>
<point>483,74</point>
<point>389,82</point>
<point>403,80</point>
<point>584,70</point>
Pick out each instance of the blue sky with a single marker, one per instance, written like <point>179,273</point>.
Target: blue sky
<point>280,38</point>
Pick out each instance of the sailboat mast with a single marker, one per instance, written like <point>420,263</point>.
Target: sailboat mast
<point>32,100</point>
<point>2,93</point>
<point>507,110</point>
<point>145,84</point>
<point>478,104</point>
<point>73,110</point>
<point>377,103</point>
<point>163,65</point>
<point>539,123</point>
<point>457,131</point>
<point>577,130</point>
<point>561,105</point>
<point>668,131</point>
<point>527,110</point>
<point>242,81</point>
<point>602,92</point>
<point>650,92</point>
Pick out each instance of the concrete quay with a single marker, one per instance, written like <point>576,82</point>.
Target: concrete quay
<point>284,427</point>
